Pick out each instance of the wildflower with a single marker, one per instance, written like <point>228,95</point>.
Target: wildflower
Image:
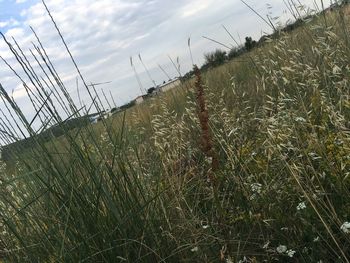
<point>281,249</point>
<point>336,70</point>
<point>266,245</point>
<point>195,249</point>
<point>252,197</point>
<point>256,187</point>
<point>345,227</point>
<point>229,260</point>
<point>301,206</point>
<point>338,142</point>
<point>290,253</point>
<point>244,260</point>
<point>300,119</point>
<point>205,226</point>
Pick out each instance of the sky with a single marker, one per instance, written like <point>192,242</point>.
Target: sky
<point>103,34</point>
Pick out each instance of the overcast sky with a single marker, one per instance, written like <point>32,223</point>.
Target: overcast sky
<point>103,34</point>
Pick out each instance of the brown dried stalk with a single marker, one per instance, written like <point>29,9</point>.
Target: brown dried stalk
<point>206,141</point>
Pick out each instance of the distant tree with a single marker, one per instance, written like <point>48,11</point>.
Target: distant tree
<point>235,52</point>
<point>188,75</point>
<point>292,26</point>
<point>128,105</point>
<point>249,43</point>
<point>215,58</point>
<point>151,90</point>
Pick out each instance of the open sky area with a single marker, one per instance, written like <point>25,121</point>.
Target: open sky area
<point>103,34</point>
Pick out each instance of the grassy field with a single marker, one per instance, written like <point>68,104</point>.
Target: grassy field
<point>247,162</point>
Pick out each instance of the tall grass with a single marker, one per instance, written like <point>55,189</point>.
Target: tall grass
<point>138,187</point>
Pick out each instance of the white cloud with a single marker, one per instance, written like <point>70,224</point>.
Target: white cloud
<point>16,32</point>
<point>9,23</point>
<point>195,7</point>
<point>3,24</point>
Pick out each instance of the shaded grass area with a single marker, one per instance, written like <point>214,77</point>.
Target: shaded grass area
<point>139,187</point>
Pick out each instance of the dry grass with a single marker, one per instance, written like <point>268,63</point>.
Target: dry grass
<point>136,189</point>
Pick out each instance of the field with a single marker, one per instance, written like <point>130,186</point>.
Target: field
<point>245,162</point>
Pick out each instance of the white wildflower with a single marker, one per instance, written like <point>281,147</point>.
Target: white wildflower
<point>266,245</point>
<point>252,197</point>
<point>244,260</point>
<point>229,260</point>
<point>345,227</point>
<point>301,206</point>
<point>290,253</point>
<point>281,249</point>
<point>300,119</point>
<point>205,226</point>
<point>256,187</point>
<point>338,141</point>
<point>195,249</point>
<point>336,69</point>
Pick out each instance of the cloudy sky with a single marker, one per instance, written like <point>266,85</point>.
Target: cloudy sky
<point>103,34</point>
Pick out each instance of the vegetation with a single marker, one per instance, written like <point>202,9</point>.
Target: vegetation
<point>214,59</point>
<point>44,135</point>
<point>127,105</point>
<point>151,90</point>
<point>249,162</point>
